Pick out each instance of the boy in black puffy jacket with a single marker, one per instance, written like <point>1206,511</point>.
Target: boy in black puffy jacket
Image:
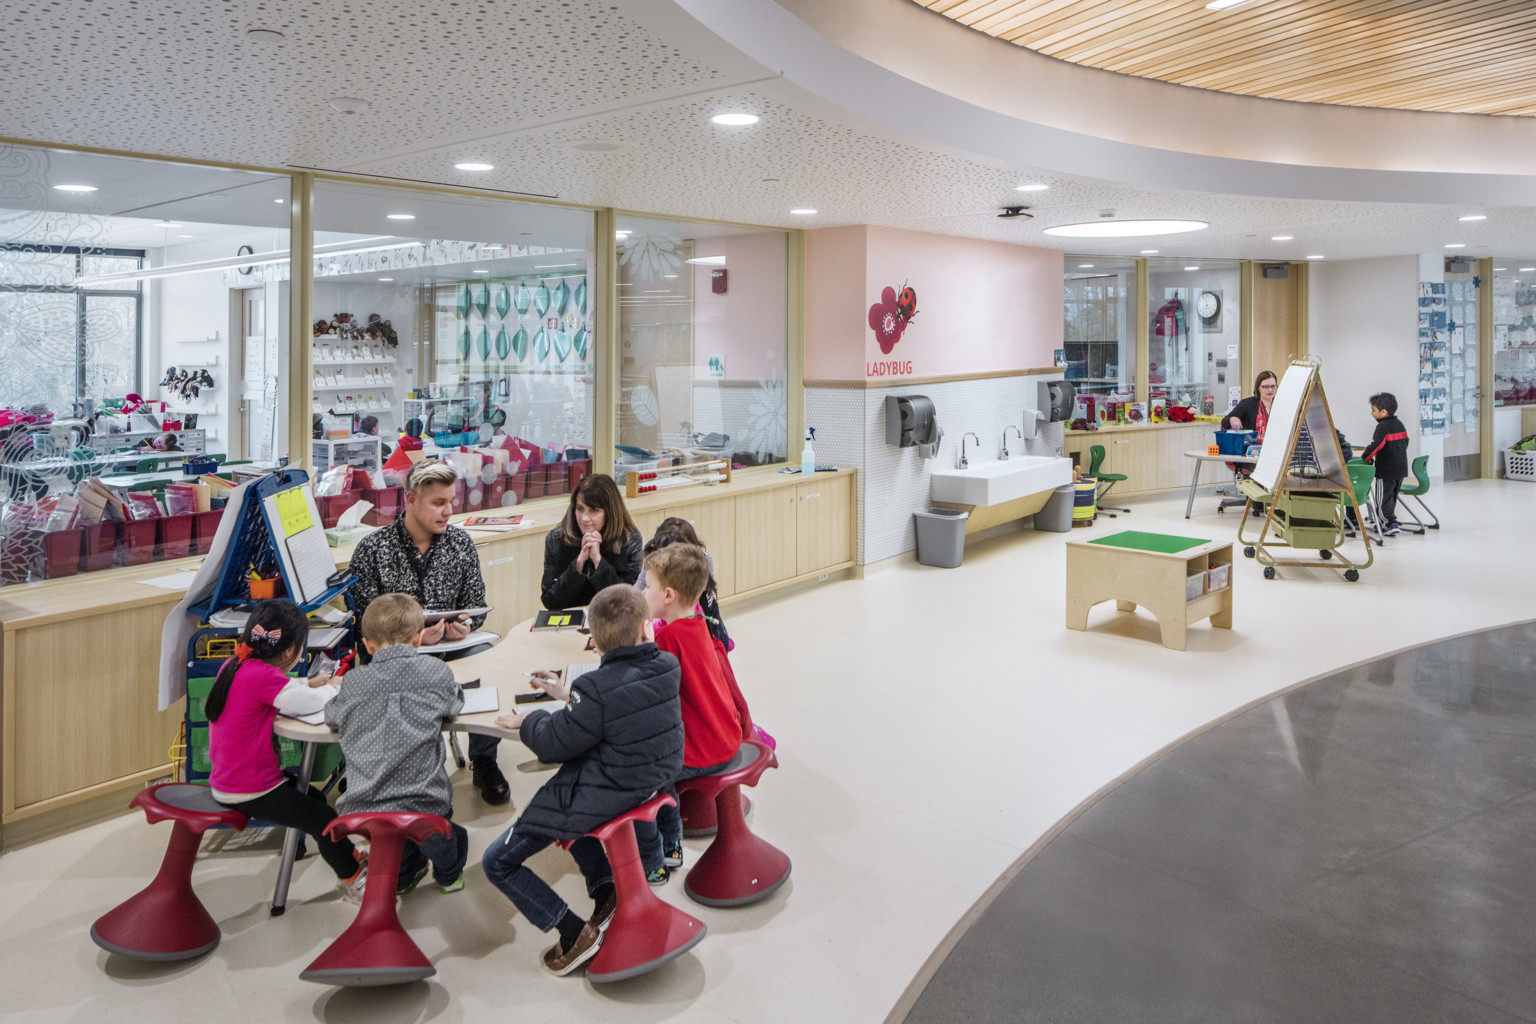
<point>620,740</point>
<point>1389,451</point>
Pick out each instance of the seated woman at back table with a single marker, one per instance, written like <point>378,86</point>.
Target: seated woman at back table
<point>1252,413</point>
<point>596,545</point>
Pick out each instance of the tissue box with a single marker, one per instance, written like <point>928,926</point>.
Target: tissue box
<point>337,536</point>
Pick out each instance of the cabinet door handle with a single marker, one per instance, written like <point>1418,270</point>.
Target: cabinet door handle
<point>808,497</point>
<point>500,561</point>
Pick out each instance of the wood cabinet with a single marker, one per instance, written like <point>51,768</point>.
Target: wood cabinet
<point>715,523</point>
<point>825,508</point>
<point>765,538</point>
<point>1151,457</point>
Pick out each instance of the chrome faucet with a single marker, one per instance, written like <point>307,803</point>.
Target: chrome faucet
<point>963,461</point>
<point>1016,430</point>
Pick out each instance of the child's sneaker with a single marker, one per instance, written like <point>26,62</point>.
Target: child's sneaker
<point>672,856</point>
<point>563,961</point>
<point>352,888</point>
<point>409,884</point>
<point>1393,529</point>
<point>660,876</point>
<point>457,885</point>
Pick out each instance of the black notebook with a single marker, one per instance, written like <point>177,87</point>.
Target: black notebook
<point>572,619</point>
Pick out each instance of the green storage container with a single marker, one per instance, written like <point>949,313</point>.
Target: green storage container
<point>197,749</point>
<point>198,689</point>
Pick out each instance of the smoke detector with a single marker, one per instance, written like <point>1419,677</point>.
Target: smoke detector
<point>1106,214</point>
<point>348,105</point>
<point>1010,212</point>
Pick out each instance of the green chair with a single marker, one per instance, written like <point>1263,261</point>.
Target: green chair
<point>146,466</point>
<point>1362,476</point>
<point>1416,491</point>
<point>1106,481</point>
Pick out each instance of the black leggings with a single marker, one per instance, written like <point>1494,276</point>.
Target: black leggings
<point>308,812</point>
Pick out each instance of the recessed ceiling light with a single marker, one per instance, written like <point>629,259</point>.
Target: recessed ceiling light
<point>1191,268</point>
<point>1474,216</point>
<point>668,275</point>
<point>1126,228</point>
<point>474,167</point>
<point>1149,252</point>
<point>555,266</point>
<point>1456,245</point>
<point>75,188</point>
<point>803,211</point>
<point>1316,257</point>
<point>401,216</point>
<point>707,261</point>
<point>479,271</point>
<point>186,236</point>
<point>1281,238</point>
<point>735,120</point>
<point>1497,269</point>
<point>165,224</point>
<point>279,200</point>
<point>386,279</point>
<point>1085,266</point>
<point>1527,270</point>
<point>1030,188</point>
<point>264,35</point>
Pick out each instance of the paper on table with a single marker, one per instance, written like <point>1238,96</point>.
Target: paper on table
<point>175,581</point>
<point>575,672</point>
<point>480,701</point>
<point>479,636</point>
<point>321,639</point>
<point>313,718</point>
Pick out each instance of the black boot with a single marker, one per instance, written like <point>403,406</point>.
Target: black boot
<point>488,779</point>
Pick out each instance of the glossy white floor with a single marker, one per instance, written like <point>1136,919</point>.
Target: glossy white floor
<point>932,725</point>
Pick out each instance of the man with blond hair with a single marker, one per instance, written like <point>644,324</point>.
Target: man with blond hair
<point>421,555</point>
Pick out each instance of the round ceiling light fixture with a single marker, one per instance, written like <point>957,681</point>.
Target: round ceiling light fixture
<point>1474,216</point>
<point>75,188</point>
<point>400,216</point>
<point>1031,188</point>
<point>1126,228</point>
<point>803,211</point>
<point>1281,238</point>
<point>473,166</point>
<point>735,120</point>
<point>1456,245</point>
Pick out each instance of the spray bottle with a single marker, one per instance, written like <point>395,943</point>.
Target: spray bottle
<point>808,455</point>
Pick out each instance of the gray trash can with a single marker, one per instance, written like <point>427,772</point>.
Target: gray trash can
<point>941,537</point>
<point>1056,517</point>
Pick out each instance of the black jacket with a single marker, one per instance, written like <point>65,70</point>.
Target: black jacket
<point>1247,412</point>
<point>565,586</point>
<point>1388,449</point>
<point>620,740</point>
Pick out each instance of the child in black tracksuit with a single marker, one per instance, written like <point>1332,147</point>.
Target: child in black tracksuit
<point>1389,451</point>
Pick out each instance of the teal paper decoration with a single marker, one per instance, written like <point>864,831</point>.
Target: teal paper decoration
<point>541,299</point>
<point>581,298</point>
<point>503,301</point>
<point>463,301</point>
<point>464,343</point>
<point>562,346</point>
<point>580,341</point>
<point>503,343</point>
<point>562,298</point>
<point>541,346</point>
<point>522,300</point>
<point>483,300</point>
<point>483,343</point>
<point>520,344</point>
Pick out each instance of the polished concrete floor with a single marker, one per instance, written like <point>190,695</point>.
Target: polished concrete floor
<point>934,727</point>
<point>1360,849</point>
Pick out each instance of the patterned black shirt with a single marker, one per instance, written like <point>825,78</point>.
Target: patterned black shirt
<point>446,577</point>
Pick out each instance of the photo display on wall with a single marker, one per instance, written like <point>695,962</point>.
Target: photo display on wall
<point>1435,342</point>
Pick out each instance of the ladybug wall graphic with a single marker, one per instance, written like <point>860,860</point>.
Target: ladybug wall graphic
<point>889,317</point>
<point>906,303</point>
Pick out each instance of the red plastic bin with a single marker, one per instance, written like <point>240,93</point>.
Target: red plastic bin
<point>100,545</point>
<point>386,503</point>
<point>575,470</point>
<point>137,545</point>
<point>175,536</point>
<point>204,526</point>
<point>556,478</point>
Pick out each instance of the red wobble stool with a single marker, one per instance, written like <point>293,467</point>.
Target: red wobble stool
<point>738,868</point>
<point>645,931</point>
<point>698,813</point>
<point>375,950</point>
<point>166,921</point>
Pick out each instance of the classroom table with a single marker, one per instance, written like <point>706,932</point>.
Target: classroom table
<point>1134,568</point>
<point>504,667</point>
<point>1201,457</point>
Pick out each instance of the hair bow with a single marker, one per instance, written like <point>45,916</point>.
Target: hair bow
<point>273,636</point>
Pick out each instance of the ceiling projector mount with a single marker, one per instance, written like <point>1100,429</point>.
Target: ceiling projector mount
<point>1010,212</point>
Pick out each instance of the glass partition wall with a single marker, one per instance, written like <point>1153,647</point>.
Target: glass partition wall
<point>1514,332</point>
<point>1100,311</point>
<point>1194,335</point>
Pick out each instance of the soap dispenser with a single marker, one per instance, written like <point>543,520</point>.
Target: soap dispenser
<point>808,455</point>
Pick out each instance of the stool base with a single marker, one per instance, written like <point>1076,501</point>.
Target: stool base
<point>597,976</point>
<point>368,977</point>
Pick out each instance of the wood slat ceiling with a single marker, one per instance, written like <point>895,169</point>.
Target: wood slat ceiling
<point>1463,56</point>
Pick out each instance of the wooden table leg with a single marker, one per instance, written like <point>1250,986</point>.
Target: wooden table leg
<point>1125,606</point>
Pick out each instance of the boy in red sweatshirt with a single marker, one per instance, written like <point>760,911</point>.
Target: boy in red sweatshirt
<point>1389,451</point>
<point>715,715</point>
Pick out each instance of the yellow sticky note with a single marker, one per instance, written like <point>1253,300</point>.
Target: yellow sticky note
<point>293,509</point>
<point>559,620</point>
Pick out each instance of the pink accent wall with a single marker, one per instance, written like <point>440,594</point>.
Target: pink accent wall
<point>835,307</point>
<point>746,324</point>
<point>981,306</point>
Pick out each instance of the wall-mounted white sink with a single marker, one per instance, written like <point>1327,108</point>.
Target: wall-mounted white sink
<point>992,483</point>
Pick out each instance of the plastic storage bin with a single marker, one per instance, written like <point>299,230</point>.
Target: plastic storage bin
<point>1233,442</point>
<point>941,537</point>
<point>1056,516</point>
<point>1519,465</point>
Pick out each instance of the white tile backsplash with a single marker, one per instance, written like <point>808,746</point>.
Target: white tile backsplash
<point>893,482</point>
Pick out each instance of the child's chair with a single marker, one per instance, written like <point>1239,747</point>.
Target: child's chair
<point>1106,480</point>
<point>1362,475</point>
<point>739,867</point>
<point>1416,491</point>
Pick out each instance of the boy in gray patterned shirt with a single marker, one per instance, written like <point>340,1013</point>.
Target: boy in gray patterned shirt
<point>390,715</point>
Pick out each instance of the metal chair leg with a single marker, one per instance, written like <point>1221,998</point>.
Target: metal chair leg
<point>1435,525</point>
<point>458,752</point>
<point>1108,510</point>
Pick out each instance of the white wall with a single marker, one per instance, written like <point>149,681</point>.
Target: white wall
<point>1363,324</point>
<point>189,307</point>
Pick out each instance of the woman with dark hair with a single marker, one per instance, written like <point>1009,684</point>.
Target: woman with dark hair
<point>595,546</point>
<point>676,530</point>
<point>1252,413</point>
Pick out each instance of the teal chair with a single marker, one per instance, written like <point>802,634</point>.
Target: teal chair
<point>1106,481</point>
<point>1416,491</point>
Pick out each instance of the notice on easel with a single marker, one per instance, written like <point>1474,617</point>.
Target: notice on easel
<point>1283,414</point>
<point>302,549</point>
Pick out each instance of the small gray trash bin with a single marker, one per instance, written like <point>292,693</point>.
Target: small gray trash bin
<point>1056,517</point>
<point>941,536</point>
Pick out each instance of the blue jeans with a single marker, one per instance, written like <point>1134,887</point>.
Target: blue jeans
<point>447,854</point>
<point>503,863</point>
<point>667,830</point>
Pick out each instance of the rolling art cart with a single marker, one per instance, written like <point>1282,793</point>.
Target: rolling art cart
<point>1305,505</point>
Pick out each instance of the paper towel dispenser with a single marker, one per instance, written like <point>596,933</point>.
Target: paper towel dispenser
<point>1063,399</point>
<point>910,421</point>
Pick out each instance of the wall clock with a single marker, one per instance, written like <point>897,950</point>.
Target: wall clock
<point>1208,305</point>
<point>245,250</point>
